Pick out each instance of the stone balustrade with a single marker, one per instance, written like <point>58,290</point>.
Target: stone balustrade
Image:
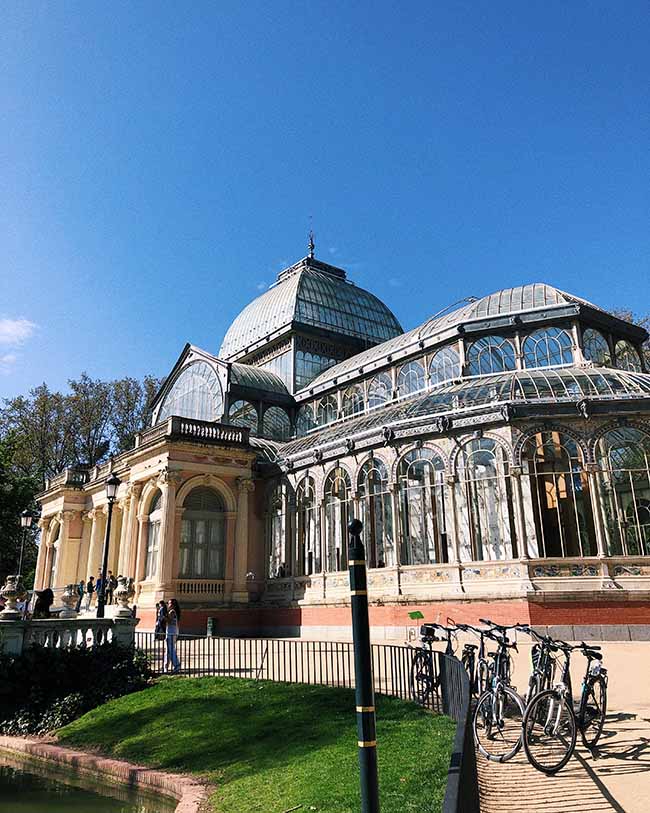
<point>65,633</point>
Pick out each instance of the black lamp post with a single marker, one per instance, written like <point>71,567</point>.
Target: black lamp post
<point>26,519</point>
<point>112,484</point>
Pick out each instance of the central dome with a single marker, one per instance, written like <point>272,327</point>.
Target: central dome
<point>310,294</point>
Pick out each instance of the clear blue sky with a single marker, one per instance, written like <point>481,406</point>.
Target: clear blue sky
<point>159,163</point>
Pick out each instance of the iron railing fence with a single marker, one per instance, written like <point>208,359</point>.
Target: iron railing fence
<point>462,793</point>
<point>328,663</point>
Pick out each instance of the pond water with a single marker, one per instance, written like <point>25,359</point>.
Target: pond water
<point>30,787</point>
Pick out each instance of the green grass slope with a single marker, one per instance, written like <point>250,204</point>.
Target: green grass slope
<point>273,747</point>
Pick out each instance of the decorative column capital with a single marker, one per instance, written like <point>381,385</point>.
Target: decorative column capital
<point>516,471</point>
<point>169,477</point>
<point>44,523</point>
<point>134,490</point>
<point>245,485</point>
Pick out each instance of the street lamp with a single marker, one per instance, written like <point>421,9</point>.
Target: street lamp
<point>26,523</point>
<point>112,484</point>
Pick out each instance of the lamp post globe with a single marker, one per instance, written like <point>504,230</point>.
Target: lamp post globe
<point>26,519</point>
<point>112,485</point>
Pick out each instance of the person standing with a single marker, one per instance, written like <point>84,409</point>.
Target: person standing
<point>161,621</point>
<point>111,584</point>
<point>80,595</point>
<point>90,590</point>
<point>173,619</point>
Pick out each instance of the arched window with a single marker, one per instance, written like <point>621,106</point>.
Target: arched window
<point>327,410</point>
<point>623,456</point>
<point>380,390</point>
<point>559,487</point>
<point>276,532</point>
<point>547,347</point>
<point>353,401</point>
<point>626,357</point>
<point>153,537</point>
<point>422,506</point>
<point>491,354</point>
<point>243,413</point>
<point>377,514</point>
<point>410,378</point>
<point>337,500</point>
<point>595,348</point>
<point>444,365</point>
<point>308,553</point>
<point>196,393</point>
<point>485,505</point>
<point>276,424</point>
<point>305,420</point>
<point>203,536</point>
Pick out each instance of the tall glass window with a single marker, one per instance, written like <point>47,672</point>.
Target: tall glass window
<point>547,348</point>
<point>422,508</point>
<point>444,365</point>
<point>326,410</point>
<point>380,389</point>
<point>485,512</point>
<point>281,366</point>
<point>309,365</point>
<point>305,421</point>
<point>353,401</point>
<point>276,533</point>
<point>410,378</point>
<point>559,486</point>
<point>490,354</point>
<point>276,424</point>
<point>203,536</point>
<point>595,348</point>
<point>377,514</point>
<point>626,357</point>
<point>623,456</point>
<point>153,537</point>
<point>308,542</point>
<point>243,413</point>
<point>337,500</point>
<point>196,393</point>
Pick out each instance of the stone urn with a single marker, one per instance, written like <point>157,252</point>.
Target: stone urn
<point>124,592</point>
<point>69,599</point>
<point>12,592</point>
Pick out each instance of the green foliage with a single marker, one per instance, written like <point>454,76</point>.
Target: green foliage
<point>271,747</point>
<point>45,688</point>
<point>52,430</point>
<point>17,491</point>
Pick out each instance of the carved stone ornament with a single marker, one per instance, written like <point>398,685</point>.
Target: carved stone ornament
<point>12,592</point>
<point>245,484</point>
<point>349,445</point>
<point>168,477</point>
<point>69,599</point>
<point>318,455</point>
<point>388,434</point>
<point>124,592</point>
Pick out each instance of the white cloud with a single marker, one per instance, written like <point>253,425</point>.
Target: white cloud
<point>15,331</point>
<point>7,362</point>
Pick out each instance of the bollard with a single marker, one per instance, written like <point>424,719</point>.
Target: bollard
<point>364,691</point>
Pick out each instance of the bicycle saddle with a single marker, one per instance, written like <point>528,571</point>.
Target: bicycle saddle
<point>470,646</point>
<point>591,653</point>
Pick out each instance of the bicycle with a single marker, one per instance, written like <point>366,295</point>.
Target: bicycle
<point>475,661</point>
<point>551,720</point>
<point>425,679</point>
<point>543,665</point>
<point>499,710</point>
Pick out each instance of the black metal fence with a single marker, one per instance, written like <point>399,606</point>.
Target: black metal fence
<point>462,794</point>
<point>331,663</point>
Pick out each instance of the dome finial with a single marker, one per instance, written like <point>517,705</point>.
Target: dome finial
<point>311,245</point>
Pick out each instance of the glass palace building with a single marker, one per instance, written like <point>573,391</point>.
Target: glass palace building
<point>498,456</point>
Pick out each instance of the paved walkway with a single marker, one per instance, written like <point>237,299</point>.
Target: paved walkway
<point>616,778</point>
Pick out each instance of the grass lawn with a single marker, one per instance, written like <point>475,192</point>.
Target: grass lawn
<point>273,747</point>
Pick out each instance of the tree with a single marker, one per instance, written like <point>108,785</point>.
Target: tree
<point>131,406</point>
<point>90,405</point>
<point>42,432</point>
<point>17,491</point>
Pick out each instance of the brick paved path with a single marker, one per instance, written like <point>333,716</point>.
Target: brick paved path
<point>616,778</point>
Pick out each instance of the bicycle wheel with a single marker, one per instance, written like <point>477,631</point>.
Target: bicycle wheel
<point>549,731</point>
<point>593,709</point>
<point>422,681</point>
<point>497,723</point>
